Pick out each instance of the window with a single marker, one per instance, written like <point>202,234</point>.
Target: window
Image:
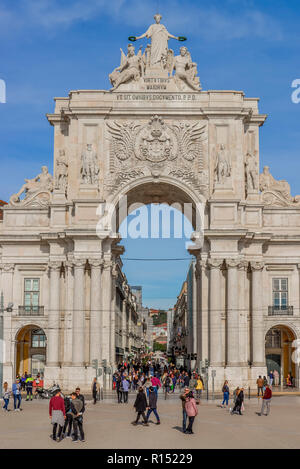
<point>280,293</point>
<point>38,338</point>
<point>31,294</point>
<point>273,339</point>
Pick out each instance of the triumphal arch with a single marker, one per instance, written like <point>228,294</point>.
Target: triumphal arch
<point>155,136</point>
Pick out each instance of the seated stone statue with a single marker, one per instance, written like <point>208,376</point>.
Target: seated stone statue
<point>130,68</point>
<point>281,188</point>
<point>42,182</point>
<point>186,70</point>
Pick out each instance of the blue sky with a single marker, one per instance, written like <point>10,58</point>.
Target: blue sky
<point>48,47</point>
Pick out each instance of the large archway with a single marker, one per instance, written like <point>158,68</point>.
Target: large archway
<point>30,350</point>
<point>279,353</point>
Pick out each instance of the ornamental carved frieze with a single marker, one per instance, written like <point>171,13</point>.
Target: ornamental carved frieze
<point>156,148</point>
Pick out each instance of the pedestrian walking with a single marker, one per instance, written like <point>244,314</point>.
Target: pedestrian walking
<point>119,389</point>
<point>140,407</point>
<point>6,396</point>
<point>199,387</point>
<point>266,401</point>
<point>125,387</point>
<point>225,391</point>
<point>95,389</point>
<point>276,378</point>
<point>152,407</point>
<point>77,409</point>
<point>260,385</point>
<point>16,391</point>
<point>237,409</point>
<point>57,414</point>
<point>191,411</point>
<point>29,387</point>
<point>183,397</point>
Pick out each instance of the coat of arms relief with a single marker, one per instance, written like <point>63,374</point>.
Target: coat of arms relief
<point>158,148</point>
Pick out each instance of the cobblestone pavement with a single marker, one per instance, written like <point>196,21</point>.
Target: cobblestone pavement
<point>108,425</point>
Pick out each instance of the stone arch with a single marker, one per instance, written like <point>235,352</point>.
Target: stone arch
<point>164,189</point>
<point>30,348</point>
<point>279,338</point>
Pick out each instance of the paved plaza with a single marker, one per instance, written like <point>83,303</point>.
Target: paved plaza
<point>108,425</point>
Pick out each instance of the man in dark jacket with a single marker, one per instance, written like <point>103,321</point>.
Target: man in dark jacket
<point>81,397</point>
<point>140,407</point>
<point>76,411</point>
<point>152,405</point>
<point>69,418</point>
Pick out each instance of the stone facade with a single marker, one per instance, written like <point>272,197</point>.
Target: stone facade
<point>156,137</point>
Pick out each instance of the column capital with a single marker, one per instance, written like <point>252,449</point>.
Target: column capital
<point>96,262</point>
<point>257,265</point>
<point>79,263</point>
<point>107,264</point>
<point>232,263</point>
<point>54,265</point>
<point>215,263</point>
<point>243,264</point>
<point>7,267</point>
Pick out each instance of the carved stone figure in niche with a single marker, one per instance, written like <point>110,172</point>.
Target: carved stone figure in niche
<point>159,42</point>
<point>281,188</point>
<point>61,171</point>
<point>131,68</point>
<point>186,70</point>
<point>89,166</point>
<point>251,171</point>
<point>42,182</point>
<point>222,165</point>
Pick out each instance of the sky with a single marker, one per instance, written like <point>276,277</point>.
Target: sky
<point>49,47</point>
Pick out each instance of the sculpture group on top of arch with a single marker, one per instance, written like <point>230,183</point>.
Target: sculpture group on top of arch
<point>157,60</point>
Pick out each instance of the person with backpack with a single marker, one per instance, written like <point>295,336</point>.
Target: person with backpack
<point>66,433</point>
<point>140,406</point>
<point>29,387</point>
<point>152,407</point>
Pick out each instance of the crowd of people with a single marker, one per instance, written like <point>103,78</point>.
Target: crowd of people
<point>145,379</point>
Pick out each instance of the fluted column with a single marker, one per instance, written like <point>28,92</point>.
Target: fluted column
<point>200,265</point>
<point>54,315</point>
<point>106,307</point>
<point>78,345</point>
<point>215,325</point>
<point>258,336</point>
<point>95,317</point>
<point>7,289</point>
<point>244,337</point>
<point>68,313</point>
<point>113,316</point>
<point>233,358</point>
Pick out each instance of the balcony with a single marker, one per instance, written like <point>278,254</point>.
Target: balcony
<point>280,311</point>
<point>31,310</point>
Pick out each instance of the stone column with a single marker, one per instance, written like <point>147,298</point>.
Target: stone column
<point>233,358</point>
<point>258,335</point>
<point>198,298</point>
<point>113,317</point>
<point>54,315</point>
<point>78,345</point>
<point>7,353</point>
<point>106,307</point>
<point>68,313</point>
<point>243,315</point>
<point>215,324</point>
<point>95,318</point>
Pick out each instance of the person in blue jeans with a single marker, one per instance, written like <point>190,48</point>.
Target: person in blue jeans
<point>225,391</point>
<point>16,390</point>
<point>152,405</point>
<point>6,394</point>
<point>184,414</point>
